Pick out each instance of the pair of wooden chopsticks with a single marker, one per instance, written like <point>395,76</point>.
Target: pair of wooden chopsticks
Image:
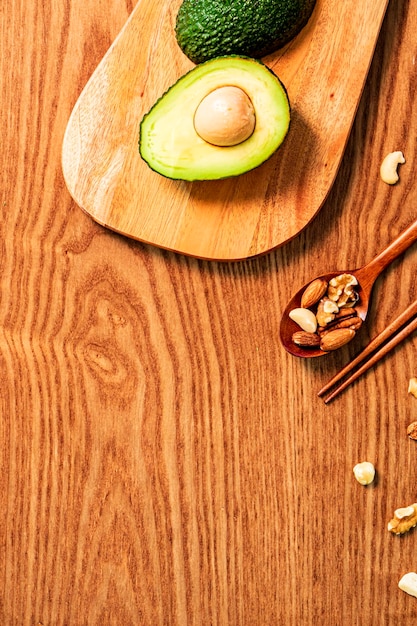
<point>403,325</point>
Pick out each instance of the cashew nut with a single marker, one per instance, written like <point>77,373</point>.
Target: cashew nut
<point>389,166</point>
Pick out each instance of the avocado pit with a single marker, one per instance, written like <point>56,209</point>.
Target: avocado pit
<point>225,117</point>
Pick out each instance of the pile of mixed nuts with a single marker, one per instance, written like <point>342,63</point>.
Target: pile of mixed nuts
<point>327,316</point>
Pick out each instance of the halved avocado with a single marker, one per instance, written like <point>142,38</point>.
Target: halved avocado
<point>170,144</point>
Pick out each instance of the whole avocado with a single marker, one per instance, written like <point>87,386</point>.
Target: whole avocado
<point>209,28</point>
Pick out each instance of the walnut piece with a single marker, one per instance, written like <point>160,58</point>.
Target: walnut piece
<point>326,311</point>
<point>412,431</point>
<point>342,290</point>
<point>404,519</point>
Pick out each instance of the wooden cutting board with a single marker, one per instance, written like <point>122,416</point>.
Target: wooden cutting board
<point>323,69</point>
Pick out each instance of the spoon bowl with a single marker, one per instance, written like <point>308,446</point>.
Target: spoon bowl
<point>366,277</point>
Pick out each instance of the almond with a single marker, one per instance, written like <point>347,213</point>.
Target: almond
<point>336,339</point>
<point>313,293</point>
<point>306,339</point>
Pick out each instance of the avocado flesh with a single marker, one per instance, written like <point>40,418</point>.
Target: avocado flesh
<point>209,28</point>
<point>170,145</point>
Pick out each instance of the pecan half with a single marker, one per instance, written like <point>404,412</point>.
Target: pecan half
<point>354,323</point>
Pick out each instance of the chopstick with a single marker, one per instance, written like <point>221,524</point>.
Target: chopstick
<point>404,324</point>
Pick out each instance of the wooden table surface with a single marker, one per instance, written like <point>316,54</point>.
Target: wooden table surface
<point>163,460</point>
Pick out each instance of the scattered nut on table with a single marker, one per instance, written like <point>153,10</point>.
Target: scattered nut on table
<point>412,431</point>
<point>412,386</point>
<point>408,583</point>
<point>364,472</point>
<point>389,165</point>
<point>404,519</point>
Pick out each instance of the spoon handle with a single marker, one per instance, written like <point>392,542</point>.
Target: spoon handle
<point>395,248</point>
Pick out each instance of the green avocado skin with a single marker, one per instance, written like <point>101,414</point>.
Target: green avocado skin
<point>210,28</point>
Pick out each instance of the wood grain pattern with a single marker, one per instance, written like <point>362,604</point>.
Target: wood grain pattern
<point>163,460</point>
<point>323,70</point>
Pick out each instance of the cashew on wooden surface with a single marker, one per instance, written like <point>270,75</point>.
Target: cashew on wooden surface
<point>389,165</point>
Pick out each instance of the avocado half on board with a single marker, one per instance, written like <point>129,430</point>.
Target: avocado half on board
<point>200,129</point>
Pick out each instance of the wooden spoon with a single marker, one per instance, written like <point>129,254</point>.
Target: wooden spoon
<point>366,277</point>
<point>324,69</point>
